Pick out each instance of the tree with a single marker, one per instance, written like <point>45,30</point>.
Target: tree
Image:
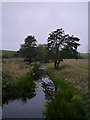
<point>28,49</point>
<point>42,53</point>
<point>62,46</point>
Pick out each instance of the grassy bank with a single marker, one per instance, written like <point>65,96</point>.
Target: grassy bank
<point>70,101</point>
<point>15,68</point>
<point>74,72</point>
<point>17,78</point>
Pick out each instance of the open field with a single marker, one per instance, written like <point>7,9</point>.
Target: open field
<point>8,54</point>
<point>84,55</point>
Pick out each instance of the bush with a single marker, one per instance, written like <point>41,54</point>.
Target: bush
<point>25,86</point>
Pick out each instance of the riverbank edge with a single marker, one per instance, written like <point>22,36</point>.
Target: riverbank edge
<point>23,88</point>
<point>61,85</point>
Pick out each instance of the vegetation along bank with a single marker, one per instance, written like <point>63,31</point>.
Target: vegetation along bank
<point>17,77</point>
<point>70,99</point>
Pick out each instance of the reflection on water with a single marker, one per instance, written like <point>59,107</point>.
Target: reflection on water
<point>48,87</point>
<point>33,107</point>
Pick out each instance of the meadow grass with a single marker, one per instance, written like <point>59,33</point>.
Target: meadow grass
<point>15,68</point>
<point>74,72</point>
<point>68,101</point>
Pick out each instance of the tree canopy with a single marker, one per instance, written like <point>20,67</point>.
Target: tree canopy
<point>42,53</point>
<point>28,49</point>
<point>61,46</point>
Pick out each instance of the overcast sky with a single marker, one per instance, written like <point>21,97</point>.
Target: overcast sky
<point>39,19</point>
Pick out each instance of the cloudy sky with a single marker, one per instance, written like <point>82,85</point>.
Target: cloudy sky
<point>39,19</point>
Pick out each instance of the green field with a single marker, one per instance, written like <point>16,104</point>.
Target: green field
<point>8,54</point>
<point>84,55</point>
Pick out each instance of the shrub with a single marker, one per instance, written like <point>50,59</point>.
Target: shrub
<point>25,85</point>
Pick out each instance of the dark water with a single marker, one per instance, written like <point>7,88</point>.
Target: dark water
<point>34,107</point>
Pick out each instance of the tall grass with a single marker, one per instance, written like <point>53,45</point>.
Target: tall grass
<point>67,102</point>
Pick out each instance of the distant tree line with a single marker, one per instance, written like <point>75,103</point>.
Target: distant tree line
<point>59,46</point>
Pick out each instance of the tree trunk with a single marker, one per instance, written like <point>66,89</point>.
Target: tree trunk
<point>56,64</point>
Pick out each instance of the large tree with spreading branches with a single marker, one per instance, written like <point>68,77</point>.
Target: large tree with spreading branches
<point>62,46</point>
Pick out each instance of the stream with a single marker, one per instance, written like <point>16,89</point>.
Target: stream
<point>33,107</point>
